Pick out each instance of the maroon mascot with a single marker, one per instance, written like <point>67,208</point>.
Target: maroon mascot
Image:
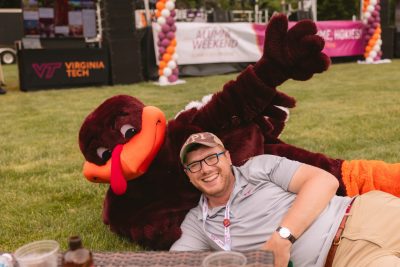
<point>130,145</point>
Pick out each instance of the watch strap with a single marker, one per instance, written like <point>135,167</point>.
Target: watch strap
<point>291,238</point>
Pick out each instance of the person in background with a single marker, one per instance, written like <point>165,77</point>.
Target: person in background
<point>287,207</point>
<point>2,90</point>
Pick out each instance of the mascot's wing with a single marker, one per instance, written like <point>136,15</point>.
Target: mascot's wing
<point>294,53</point>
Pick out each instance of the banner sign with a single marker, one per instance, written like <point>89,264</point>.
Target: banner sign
<point>199,43</point>
<point>342,38</point>
<point>216,42</point>
<point>47,68</point>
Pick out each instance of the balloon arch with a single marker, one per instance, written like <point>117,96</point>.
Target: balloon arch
<point>168,68</point>
<point>372,20</point>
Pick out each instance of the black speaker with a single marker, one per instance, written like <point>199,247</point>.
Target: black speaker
<point>397,16</point>
<point>123,41</point>
<point>397,44</point>
<point>125,60</point>
<point>388,37</point>
<point>304,15</point>
<point>220,15</point>
<point>385,13</point>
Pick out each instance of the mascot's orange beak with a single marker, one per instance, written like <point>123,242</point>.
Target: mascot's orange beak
<point>132,159</point>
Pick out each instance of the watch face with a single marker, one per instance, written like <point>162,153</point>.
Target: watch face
<point>284,232</point>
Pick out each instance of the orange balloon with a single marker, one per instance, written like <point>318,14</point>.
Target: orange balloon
<point>166,57</point>
<point>162,64</point>
<point>371,42</point>
<point>160,72</point>
<point>368,48</point>
<point>170,50</point>
<point>158,13</point>
<point>160,6</point>
<point>173,42</point>
<point>379,31</point>
<point>366,54</point>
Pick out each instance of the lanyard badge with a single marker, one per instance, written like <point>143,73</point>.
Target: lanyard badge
<point>226,245</point>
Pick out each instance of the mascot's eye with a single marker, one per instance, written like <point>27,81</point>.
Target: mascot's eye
<point>128,131</point>
<point>104,153</point>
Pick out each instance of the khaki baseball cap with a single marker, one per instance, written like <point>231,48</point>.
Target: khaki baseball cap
<point>204,138</point>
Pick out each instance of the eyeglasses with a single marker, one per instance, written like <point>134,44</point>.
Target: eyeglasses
<point>209,160</point>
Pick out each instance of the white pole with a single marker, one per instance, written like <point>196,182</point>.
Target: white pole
<point>256,19</point>
<point>147,11</point>
<point>361,9</point>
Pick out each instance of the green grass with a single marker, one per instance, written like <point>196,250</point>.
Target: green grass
<point>352,111</point>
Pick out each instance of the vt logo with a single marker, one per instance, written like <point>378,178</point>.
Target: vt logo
<point>46,70</point>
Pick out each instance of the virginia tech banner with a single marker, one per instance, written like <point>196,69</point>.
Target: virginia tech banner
<point>47,68</point>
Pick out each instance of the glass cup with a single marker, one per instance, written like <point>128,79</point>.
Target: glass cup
<point>38,254</point>
<point>225,258</point>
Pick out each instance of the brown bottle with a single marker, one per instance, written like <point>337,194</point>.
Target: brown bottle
<point>77,255</point>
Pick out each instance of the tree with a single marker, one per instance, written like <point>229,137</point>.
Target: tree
<point>338,9</point>
<point>10,3</point>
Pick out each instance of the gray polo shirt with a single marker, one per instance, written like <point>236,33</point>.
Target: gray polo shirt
<point>258,203</point>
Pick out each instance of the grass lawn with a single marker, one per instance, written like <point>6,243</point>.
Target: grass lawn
<point>350,112</point>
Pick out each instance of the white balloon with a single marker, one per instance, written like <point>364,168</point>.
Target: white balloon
<point>157,27</point>
<point>170,5</point>
<point>365,21</point>
<point>161,20</point>
<point>376,47</point>
<point>175,56</point>
<point>373,2</point>
<point>370,8</point>
<point>372,54</point>
<point>379,42</point>
<point>165,13</point>
<point>167,72</point>
<point>171,64</point>
<point>163,80</point>
<point>367,15</point>
<point>369,59</point>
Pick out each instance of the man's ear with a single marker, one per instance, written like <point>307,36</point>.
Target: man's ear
<point>228,156</point>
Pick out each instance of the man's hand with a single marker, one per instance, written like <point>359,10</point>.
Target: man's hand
<point>294,53</point>
<point>281,249</point>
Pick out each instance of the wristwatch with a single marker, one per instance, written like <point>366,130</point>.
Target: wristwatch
<point>285,233</point>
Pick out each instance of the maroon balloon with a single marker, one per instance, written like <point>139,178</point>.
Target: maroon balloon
<point>172,13</point>
<point>175,71</point>
<point>377,7</point>
<point>165,42</point>
<point>172,78</point>
<point>165,28</point>
<point>173,28</point>
<point>170,35</point>
<point>161,50</point>
<point>371,31</point>
<point>170,21</point>
<point>161,35</point>
<point>374,13</point>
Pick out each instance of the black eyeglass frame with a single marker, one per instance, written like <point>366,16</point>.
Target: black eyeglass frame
<point>187,167</point>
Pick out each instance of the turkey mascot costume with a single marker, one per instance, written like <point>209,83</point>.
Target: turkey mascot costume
<point>130,145</point>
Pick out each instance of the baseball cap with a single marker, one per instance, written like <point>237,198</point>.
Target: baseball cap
<point>204,138</point>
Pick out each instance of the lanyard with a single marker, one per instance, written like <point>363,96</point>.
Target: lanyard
<point>226,245</point>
